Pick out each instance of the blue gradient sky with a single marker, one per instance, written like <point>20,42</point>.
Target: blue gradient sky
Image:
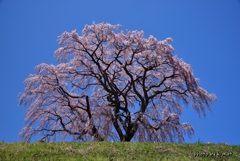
<point>206,35</point>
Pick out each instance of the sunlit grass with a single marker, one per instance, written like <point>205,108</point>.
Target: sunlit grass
<point>115,151</point>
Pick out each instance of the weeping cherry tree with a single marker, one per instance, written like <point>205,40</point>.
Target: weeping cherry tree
<point>112,85</point>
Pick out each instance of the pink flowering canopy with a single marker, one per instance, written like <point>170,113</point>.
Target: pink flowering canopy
<point>112,85</point>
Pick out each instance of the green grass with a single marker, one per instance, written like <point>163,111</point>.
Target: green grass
<point>107,151</point>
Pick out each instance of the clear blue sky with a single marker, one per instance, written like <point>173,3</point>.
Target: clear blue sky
<point>206,35</point>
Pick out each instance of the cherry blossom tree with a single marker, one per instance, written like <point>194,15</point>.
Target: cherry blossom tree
<point>112,85</point>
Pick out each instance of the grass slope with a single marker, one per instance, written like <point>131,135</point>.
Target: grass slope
<point>107,151</point>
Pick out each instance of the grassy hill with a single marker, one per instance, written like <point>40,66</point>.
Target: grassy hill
<point>107,151</point>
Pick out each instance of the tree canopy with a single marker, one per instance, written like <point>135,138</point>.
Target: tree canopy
<point>112,85</point>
